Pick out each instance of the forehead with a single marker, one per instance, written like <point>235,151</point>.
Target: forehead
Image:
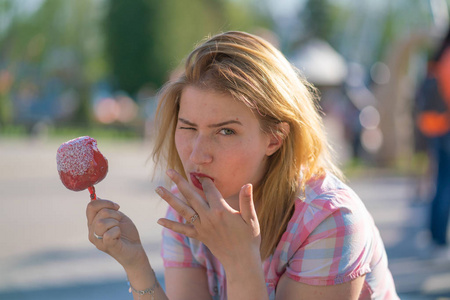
<point>210,104</point>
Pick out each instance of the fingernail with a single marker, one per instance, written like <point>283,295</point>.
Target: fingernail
<point>159,191</point>
<point>170,173</point>
<point>248,190</point>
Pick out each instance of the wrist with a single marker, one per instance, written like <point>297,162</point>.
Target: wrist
<point>244,258</point>
<point>242,268</point>
<point>138,267</point>
<point>141,277</point>
<point>149,291</point>
<point>245,280</point>
<point>136,261</point>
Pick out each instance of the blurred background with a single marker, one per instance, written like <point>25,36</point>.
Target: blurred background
<point>94,67</point>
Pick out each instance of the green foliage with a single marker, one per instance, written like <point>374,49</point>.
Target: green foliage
<point>59,39</point>
<point>147,39</point>
<point>128,42</point>
<point>13,131</point>
<point>79,43</point>
<point>102,132</point>
<point>317,18</point>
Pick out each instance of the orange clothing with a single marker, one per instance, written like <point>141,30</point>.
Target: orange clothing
<point>434,119</point>
<point>433,123</point>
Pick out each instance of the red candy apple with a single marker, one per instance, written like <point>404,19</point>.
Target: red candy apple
<point>81,165</point>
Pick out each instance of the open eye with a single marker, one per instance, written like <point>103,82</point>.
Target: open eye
<point>226,131</point>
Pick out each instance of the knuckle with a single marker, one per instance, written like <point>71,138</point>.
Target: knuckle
<point>217,213</point>
<point>111,233</point>
<point>89,208</point>
<point>185,231</point>
<point>175,178</point>
<point>168,225</point>
<point>195,235</point>
<point>112,214</point>
<point>103,223</point>
<point>103,213</point>
<point>184,212</point>
<point>110,204</point>
<point>106,236</point>
<point>172,227</point>
<point>114,223</point>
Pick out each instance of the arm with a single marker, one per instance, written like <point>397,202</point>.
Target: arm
<point>245,279</point>
<point>289,289</point>
<point>120,239</point>
<point>186,284</point>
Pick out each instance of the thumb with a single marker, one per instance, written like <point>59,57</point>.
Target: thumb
<point>247,205</point>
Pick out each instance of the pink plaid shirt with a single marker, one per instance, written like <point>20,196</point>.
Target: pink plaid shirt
<point>330,239</point>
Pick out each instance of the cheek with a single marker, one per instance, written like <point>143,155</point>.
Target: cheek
<point>246,163</point>
<point>181,145</point>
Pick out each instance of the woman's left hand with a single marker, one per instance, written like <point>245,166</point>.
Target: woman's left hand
<point>231,235</point>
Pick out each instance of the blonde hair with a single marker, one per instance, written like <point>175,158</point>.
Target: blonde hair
<point>256,73</point>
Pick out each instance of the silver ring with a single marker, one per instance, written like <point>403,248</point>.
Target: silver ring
<point>193,218</point>
<point>98,236</point>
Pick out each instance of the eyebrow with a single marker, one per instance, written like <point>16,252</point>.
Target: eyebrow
<point>211,125</point>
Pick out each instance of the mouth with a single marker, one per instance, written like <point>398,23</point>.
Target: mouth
<point>195,179</point>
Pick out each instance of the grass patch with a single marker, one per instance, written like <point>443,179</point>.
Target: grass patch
<point>414,165</point>
<point>100,132</point>
<point>51,131</point>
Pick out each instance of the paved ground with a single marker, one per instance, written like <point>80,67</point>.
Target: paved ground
<point>45,253</point>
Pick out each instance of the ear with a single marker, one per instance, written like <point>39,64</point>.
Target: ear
<point>277,138</point>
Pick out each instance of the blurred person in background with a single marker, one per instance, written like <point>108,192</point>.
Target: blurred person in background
<point>258,209</point>
<point>433,120</point>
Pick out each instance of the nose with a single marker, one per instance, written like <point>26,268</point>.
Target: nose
<point>201,152</point>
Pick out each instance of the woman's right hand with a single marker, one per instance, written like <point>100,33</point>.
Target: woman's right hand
<point>120,236</point>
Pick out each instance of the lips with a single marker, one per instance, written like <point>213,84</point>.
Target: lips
<point>195,179</point>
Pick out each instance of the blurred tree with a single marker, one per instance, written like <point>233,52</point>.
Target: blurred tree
<point>58,47</point>
<point>127,29</point>
<point>146,39</point>
<point>6,109</point>
<point>316,17</point>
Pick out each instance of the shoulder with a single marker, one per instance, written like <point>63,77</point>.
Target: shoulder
<point>329,237</point>
<point>327,207</point>
<point>327,184</point>
<point>326,196</point>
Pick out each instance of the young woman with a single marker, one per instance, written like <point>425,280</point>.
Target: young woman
<point>257,210</point>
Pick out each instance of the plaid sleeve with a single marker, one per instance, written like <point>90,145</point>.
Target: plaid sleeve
<point>337,248</point>
<point>175,250</point>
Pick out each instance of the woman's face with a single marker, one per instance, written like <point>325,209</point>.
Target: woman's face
<point>220,138</point>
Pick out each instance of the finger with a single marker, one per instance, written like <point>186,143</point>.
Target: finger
<point>189,193</point>
<point>111,237</point>
<point>99,228</point>
<point>107,213</point>
<point>246,204</point>
<point>94,206</point>
<point>176,203</point>
<point>100,218</point>
<point>185,229</point>
<point>103,225</point>
<point>212,194</point>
